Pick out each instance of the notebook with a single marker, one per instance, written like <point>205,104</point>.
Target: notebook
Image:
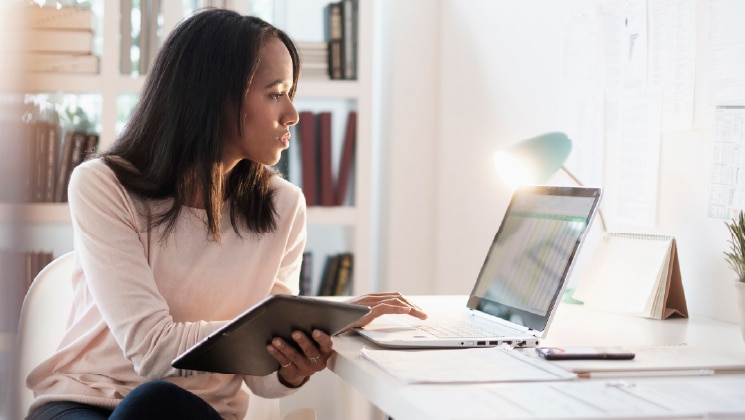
<point>520,283</point>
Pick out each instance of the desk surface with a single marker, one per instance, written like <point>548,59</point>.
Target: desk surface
<point>574,325</point>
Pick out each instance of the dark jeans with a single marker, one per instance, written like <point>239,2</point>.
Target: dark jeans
<point>152,400</point>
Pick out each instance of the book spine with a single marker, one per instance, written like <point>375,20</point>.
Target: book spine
<point>308,156</point>
<point>343,281</point>
<point>306,274</point>
<point>349,35</point>
<point>61,41</point>
<point>91,146</point>
<point>78,18</point>
<point>335,38</point>
<point>64,165</point>
<point>50,166</point>
<point>328,282</point>
<point>40,160</point>
<point>347,159</point>
<point>325,160</point>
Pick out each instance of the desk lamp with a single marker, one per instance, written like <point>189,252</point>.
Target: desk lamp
<point>535,160</point>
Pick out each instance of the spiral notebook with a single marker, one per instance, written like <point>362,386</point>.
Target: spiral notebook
<point>636,274</point>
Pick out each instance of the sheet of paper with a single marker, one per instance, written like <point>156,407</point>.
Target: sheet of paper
<point>661,360</point>
<point>486,364</point>
<point>726,192</point>
<point>647,398</point>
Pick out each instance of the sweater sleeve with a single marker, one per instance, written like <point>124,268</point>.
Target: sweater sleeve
<point>120,281</point>
<point>288,274</point>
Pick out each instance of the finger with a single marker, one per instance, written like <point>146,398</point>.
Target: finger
<point>284,361</point>
<point>324,342</point>
<point>391,298</point>
<point>311,352</point>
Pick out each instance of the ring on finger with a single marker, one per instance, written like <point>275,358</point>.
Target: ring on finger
<point>314,360</point>
<point>286,364</point>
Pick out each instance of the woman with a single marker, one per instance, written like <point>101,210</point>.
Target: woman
<point>181,226</point>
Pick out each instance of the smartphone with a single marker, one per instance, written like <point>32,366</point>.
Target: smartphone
<point>584,353</point>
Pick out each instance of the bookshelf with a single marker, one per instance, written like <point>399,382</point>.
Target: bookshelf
<point>351,226</point>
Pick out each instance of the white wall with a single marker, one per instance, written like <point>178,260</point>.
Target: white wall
<point>497,80</point>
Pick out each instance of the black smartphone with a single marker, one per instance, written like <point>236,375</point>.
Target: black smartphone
<point>584,353</point>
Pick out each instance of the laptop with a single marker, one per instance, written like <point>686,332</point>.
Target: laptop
<point>520,283</point>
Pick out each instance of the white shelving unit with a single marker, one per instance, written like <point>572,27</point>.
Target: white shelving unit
<point>356,221</point>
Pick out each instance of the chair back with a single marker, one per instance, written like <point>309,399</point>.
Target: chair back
<point>42,321</point>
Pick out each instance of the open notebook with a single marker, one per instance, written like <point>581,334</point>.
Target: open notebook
<point>521,281</point>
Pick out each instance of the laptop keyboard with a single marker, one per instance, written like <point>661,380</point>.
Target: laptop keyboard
<point>454,328</point>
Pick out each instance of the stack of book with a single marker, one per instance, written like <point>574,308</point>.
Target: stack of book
<point>52,160</point>
<point>59,40</point>
<point>321,184</point>
<point>340,26</point>
<point>336,278</point>
<point>313,59</point>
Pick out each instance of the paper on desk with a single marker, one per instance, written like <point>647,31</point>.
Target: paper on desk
<point>651,398</point>
<point>486,364</point>
<point>659,358</point>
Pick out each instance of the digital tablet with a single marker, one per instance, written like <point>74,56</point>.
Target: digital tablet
<point>239,347</point>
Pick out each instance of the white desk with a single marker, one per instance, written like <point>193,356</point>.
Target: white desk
<point>573,325</point>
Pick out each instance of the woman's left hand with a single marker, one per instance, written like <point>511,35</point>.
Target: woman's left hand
<point>297,366</point>
<point>385,303</point>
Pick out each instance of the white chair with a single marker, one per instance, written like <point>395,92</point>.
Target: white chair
<point>42,321</point>
<point>42,324</point>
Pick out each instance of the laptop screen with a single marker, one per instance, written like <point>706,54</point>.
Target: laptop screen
<point>532,253</point>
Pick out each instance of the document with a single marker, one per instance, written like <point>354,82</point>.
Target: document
<point>716,396</point>
<point>660,361</point>
<point>485,364</point>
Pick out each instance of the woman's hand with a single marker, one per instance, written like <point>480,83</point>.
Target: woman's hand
<point>385,303</point>
<point>297,366</point>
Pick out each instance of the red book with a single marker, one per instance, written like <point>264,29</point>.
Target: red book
<point>324,159</point>
<point>347,159</point>
<point>307,128</point>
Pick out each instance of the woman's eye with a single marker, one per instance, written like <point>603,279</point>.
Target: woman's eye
<point>276,96</point>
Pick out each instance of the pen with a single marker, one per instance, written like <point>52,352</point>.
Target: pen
<point>647,373</point>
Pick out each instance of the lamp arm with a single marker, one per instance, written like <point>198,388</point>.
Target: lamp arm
<point>576,181</point>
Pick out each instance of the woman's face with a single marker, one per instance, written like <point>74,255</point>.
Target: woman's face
<point>268,111</point>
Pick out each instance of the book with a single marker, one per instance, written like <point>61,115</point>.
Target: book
<point>39,156</point>
<point>347,159</point>
<point>306,274</point>
<point>91,146</point>
<point>307,128</point>
<point>59,40</point>
<point>349,37</point>
<point>328,280</point>
<point>60,188</point>
<point>343,280</point>
<point>334,32</point>
<point>73,155</point>
<point>61,63</point>
<point>76,18</point>
<point>325,159</point>
<point>50,164</point>
<point>637,274</point>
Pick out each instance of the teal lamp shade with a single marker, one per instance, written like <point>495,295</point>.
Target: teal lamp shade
<point>533,161</point>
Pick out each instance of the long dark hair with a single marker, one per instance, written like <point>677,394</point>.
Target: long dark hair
<point>191,100</point>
